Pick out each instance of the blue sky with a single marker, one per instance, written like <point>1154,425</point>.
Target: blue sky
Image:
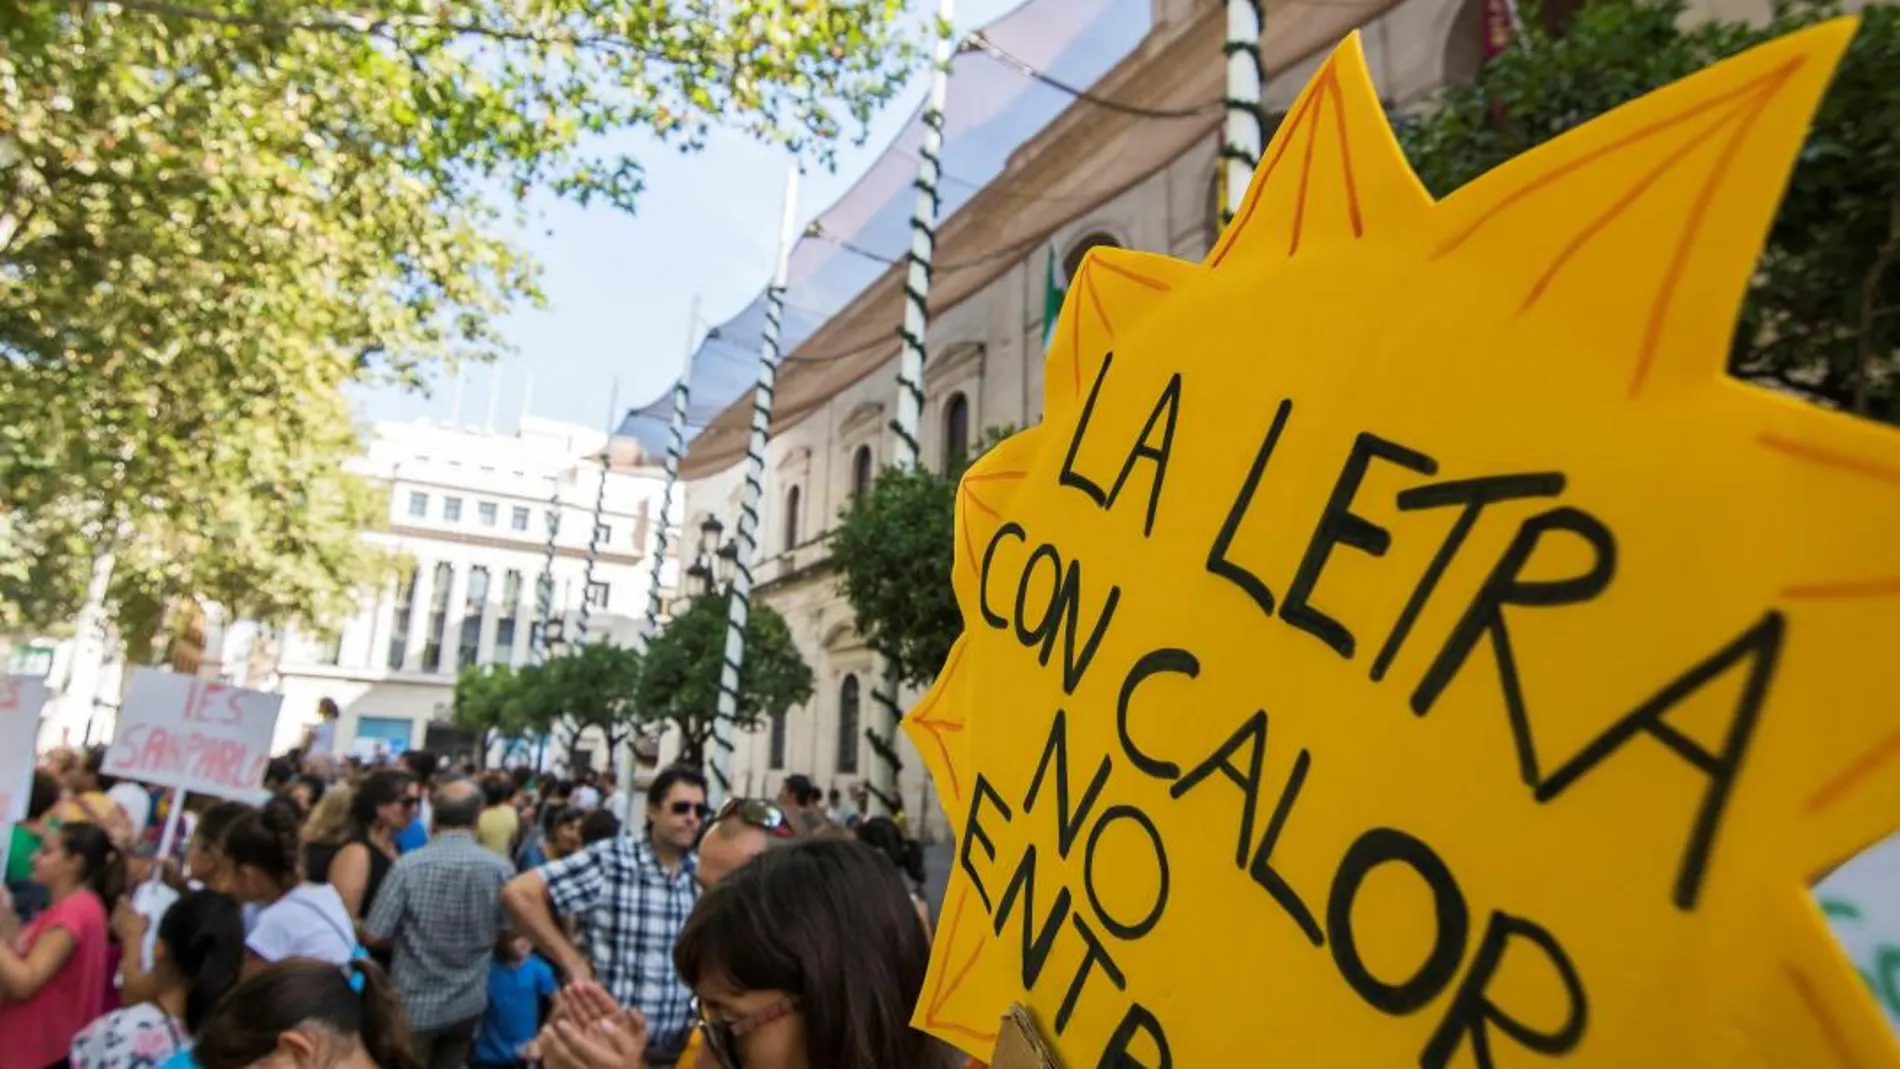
<point>620,288</point>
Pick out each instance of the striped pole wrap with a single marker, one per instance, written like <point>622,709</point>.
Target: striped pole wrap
<point>600,508</point>
<point>886,765</point>
<point>739,597</point>
<point>544,588</point>
<point>675,445</point>
<point>593,549</point>
<point>1240,150</point>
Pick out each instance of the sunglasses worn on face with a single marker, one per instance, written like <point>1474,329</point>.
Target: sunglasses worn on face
<point>761,814</point>
<point>722,1037</point>
<point>680,809</point>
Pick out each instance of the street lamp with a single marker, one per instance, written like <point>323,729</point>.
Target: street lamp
<point>555,637</point>
<point>711,569</point>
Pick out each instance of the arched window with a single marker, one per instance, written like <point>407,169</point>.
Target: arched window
<point>791,519</point>
<point>848,725</point>
<point>1073,261</point>
<point>956,432</point>
<point>776,759</point>
<point>861,472</point>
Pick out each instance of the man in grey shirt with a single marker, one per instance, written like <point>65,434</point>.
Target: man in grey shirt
<point>440,907</point>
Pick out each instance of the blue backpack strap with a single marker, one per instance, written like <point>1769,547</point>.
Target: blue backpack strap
<point>181,1059</point>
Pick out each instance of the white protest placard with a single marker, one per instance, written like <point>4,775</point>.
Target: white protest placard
<point>194,735</point>
<point>20,700</point>
<point>1861,901</point>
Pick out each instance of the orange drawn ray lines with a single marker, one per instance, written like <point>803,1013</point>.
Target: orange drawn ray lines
<point>1345,161</point>
<point>1075,350</point>
<point>1828,458</point>
<point>1095,297</point>
<point>1692,228</point>
<point>944,991</point>
<point>1622,204</point>
<point>921,714</point>
<point>1642,133</point>
<point>1855,773</point>
<point>1259,190</point>
<point>1811,999</point>
<point>969,544</point>
<point>1886,586</point>
<point>994,476</point>
<point>1325,88</point>
<point>1155,284</point>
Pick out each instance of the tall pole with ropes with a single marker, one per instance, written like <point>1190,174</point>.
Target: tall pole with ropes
<point>886,766</point>
<point>739,597</point>
<point>600,507</point>
<point>1241,134</point>
<point>675,445</point>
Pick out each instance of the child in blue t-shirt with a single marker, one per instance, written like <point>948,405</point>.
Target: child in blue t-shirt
<point>518,981</point>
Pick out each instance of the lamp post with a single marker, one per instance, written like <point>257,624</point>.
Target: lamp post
<point>711,570</point>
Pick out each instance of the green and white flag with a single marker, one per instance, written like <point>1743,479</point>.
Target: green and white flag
<point>1052,299</point>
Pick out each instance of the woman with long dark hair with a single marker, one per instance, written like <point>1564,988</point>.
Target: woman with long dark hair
<point>805,957</point>
<point>883,835</point>
<point>56,972</point>
<point>308,1015</point>
<point>263,863</point>
<point>382,807</point>
<point>195,961</point>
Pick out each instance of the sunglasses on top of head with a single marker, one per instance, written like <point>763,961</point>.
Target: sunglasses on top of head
<point>759,813</point>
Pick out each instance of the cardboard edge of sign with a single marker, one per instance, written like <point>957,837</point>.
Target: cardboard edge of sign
<point>1019,1043</point>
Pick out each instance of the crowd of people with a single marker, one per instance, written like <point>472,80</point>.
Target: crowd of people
<point>419,916</point>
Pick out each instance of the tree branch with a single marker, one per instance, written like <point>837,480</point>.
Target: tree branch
<point>385,26</point>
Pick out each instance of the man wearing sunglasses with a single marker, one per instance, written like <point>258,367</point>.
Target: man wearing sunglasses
<point>633,894</point>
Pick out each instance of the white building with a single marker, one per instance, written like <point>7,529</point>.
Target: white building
<point>469,515</point>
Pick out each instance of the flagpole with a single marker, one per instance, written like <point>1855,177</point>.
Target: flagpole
<point>739,597</point>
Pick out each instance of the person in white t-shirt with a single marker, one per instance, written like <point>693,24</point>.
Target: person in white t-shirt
<point>585,798</point>
<point>262,858</point>
<point>322,740</point>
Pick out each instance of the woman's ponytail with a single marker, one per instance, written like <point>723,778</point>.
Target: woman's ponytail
<point>385,1029</point>
<point>203,933</point>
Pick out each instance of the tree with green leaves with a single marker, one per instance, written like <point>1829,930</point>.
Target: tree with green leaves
<point>893,548</point>
<point>1822,316</point>
<point>487,705</point>
<point>680,684</point>
<point>217,215</point>
<point>590,686</point>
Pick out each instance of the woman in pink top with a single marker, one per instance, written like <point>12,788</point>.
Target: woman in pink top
<point>55,973</point>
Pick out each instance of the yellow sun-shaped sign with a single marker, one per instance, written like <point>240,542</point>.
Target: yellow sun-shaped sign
<point>1400,644</point>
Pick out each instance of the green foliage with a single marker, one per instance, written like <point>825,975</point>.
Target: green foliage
<point>592,686</point>
<point>486,704</point>
<point>1823,311</point>
<point>216,215</point>
<point>894,547</point>
<point>681,683</point>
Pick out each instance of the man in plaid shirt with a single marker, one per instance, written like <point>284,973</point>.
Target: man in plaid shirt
<point>632,894</point>
<point>441,908</point>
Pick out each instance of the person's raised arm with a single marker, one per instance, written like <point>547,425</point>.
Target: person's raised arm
<point>526,899</point>
<point>22,977</point>
<point>136,985</point>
